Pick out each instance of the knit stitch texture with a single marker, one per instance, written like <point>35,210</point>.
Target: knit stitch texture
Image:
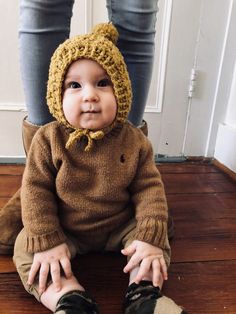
<point>90,194</point>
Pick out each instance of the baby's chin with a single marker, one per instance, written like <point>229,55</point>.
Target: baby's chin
<point>92,126</point>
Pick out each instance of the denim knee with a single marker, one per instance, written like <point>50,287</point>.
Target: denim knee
<point>135,21</point>
<point>45,16</point>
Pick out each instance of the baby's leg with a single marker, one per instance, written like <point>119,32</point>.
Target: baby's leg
<point>71,295</point>
<point>148,277</point>
<point>143,298</point>
<point>51,297</point>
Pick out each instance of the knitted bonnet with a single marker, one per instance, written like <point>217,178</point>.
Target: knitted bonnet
<point>99,46</point>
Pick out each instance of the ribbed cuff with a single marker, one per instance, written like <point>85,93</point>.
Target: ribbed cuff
<point>34,244</point>
<point>152,230</point>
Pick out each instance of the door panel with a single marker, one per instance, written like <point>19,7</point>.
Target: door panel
<point>182,45</point>
<point>209,58</point>
<point>197,36</point>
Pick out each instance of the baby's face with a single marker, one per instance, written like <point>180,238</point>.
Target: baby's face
<point>88,99</point>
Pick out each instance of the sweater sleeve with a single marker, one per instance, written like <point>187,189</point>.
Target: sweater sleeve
<point>149,200</point>
<point>38,197</point>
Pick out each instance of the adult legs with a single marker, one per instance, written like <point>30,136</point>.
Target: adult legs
<point>135,21</point>
<point>44,25</point>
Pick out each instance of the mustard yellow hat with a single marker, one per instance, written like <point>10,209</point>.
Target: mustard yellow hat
<point>100,46</point>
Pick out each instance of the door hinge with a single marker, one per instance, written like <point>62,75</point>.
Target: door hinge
<point>192,83</point>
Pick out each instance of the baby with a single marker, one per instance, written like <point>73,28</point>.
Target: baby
<point>90,184</point>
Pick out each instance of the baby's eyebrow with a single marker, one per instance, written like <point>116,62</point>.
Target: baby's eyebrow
<point>72,78</point>
<point>102,73</point>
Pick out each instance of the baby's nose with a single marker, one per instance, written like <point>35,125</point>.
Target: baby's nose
<point>90,94</point>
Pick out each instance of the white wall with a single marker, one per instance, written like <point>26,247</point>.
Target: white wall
<point>214,20</point>
<point>230,118</point>
<point>225,150</point>
<point>10,85</point>
<point>225,147</point>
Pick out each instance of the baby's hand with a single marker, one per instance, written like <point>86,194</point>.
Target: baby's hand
<point>148,258</point>
<point>50,261</point>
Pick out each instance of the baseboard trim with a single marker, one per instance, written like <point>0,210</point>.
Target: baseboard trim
<point>12,160</point>
<point>13,107</point>
<point>225,169</point>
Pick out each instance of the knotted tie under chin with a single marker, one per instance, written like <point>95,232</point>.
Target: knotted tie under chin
<point>91,136</point>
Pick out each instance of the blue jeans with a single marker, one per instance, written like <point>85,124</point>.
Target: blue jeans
<point>44,24</point>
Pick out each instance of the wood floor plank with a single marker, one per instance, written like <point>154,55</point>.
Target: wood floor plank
<point>187,167</point>
<point>209,205</point>
<point>6,265</point>
<point>15,300</point>
<point>11,169</point>
<point>197,183</point>
<point>203,288</point>
<point>204,226</point>
<point>3,201</point>
<point>9,185</point>
<point>203,248</point>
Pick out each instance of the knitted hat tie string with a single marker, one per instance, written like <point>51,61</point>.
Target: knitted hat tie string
<point>91,135</point>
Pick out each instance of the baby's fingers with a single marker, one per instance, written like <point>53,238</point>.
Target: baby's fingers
<point>163,268</point>
<point>144,269</point>
<point>133,262</point>
<point>130,249</point>
<point>32,273</point>
<point>156,273</point>
<point>66,266</point>
<point>159,271</point>
<point>56,275</point>
<point>43,275</point>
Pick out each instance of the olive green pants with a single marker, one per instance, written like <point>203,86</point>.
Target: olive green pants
<point>118,239</point>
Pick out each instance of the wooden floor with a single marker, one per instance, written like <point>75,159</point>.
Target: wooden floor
<point>202,276</point>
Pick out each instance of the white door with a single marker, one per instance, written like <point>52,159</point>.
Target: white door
<point>197,37</point>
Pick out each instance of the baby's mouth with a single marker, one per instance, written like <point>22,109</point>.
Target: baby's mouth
<point>91,111</point>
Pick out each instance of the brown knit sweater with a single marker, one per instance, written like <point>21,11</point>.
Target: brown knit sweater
<point>90,194</point>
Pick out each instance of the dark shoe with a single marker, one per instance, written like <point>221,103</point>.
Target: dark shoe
<point>76,302</point>
<point>141,298</point>
<point>144,298</point>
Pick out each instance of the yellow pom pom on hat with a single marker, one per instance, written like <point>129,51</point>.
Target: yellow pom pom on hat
<point>99,46</point>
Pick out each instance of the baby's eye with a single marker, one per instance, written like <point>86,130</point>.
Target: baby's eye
<point>104,82</point>
<point>74,85</point>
